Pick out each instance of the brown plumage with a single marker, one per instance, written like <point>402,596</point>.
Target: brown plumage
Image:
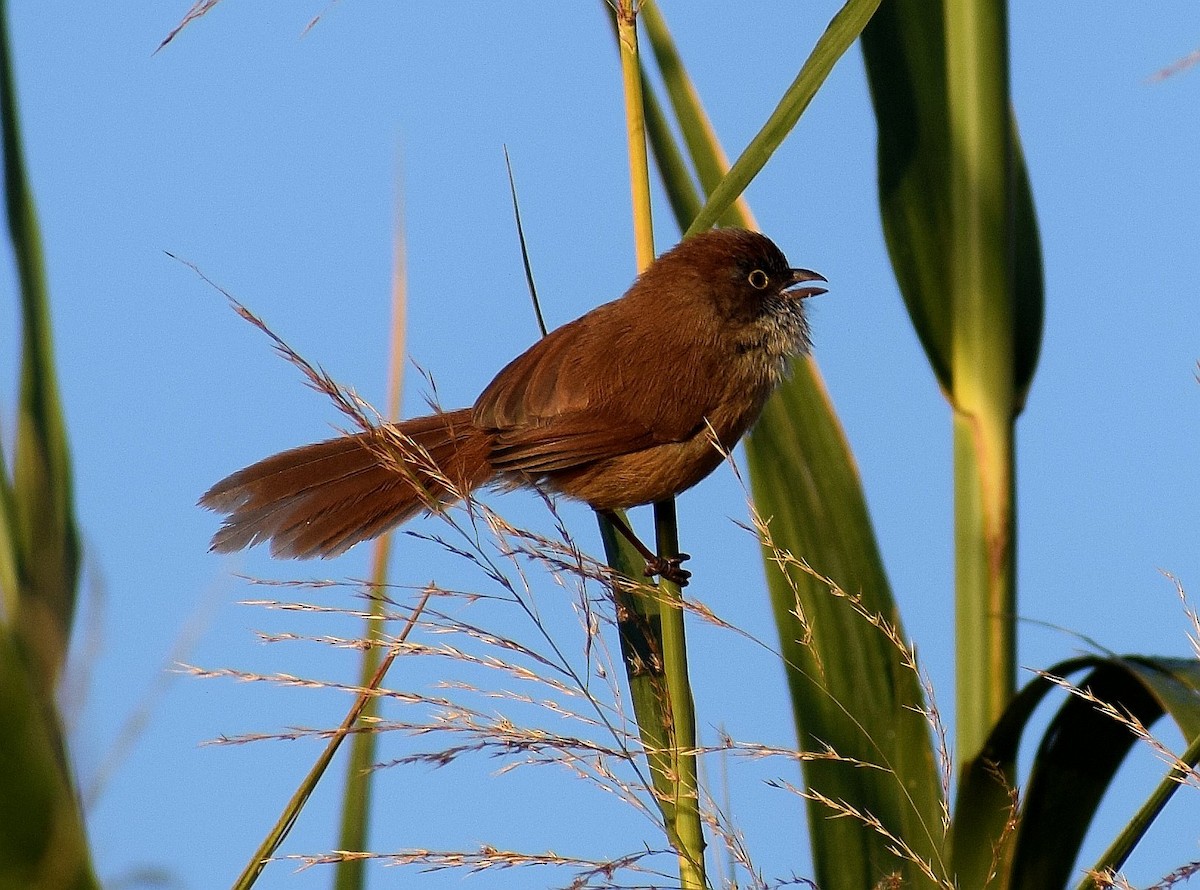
<point>614,409</point>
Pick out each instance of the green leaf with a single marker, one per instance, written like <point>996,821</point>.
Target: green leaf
<point>842,31</point>
<point>672,167</point>
<point>42,840</point>
<point>905,54</point>
<point>1074,765</point>
<point>851,688</point>
<point>981,832</point>
<point>960,228</point>
<point>44,548</point>
<point>1081,752</point>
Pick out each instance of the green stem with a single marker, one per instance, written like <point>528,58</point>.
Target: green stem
<point>982,363</point>
<point>688,828</point>
<point>356,805</point>
<point>684,830</point>
<point>635,127</point>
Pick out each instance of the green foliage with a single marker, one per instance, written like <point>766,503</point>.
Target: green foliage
<point>994,844</point>
<point>854,688</point>
<point>959,221</point>
<point>42,841</point>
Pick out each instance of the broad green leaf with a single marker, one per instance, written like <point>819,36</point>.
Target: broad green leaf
<point>851,688</point>
<point>42,840</point>
<point>1074,765</point>
<point>904,50</point>
<point>1081,752</point>
<point>981,833</point>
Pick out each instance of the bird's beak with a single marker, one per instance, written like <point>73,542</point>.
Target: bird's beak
<point>799,276</point>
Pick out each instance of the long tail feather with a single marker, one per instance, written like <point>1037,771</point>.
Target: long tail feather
<point>320,500</point>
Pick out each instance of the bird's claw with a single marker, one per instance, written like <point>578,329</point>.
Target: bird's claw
<point>669,568</point>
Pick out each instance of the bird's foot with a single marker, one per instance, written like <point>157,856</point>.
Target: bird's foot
<point>669,568</point>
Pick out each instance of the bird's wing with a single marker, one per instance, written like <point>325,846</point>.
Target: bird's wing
<point>587,391</point>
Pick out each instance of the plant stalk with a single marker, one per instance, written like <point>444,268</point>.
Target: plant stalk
<point>687,832</point>
<point>983,397</point>
<point>635,129</point>
<point>356,805</point>
<point>682,714</point>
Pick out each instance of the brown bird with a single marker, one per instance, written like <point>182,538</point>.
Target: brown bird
<point>617,408</point>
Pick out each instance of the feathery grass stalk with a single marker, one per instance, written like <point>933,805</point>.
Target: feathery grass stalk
<point>291,812</point>
<point>983,397</point>
<point>359,778</point>
<point>686,830</point>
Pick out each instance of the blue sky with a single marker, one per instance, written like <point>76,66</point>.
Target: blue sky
<point>272,158</point>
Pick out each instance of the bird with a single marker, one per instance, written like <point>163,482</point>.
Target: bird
<point>629,404</point>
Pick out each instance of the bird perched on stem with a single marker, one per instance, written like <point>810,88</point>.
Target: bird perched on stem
<point>617,408</point>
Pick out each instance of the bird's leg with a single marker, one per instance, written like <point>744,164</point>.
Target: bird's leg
<point>667,568</point>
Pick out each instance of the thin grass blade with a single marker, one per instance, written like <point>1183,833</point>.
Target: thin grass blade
<point>356,802</point>
<point>10,584</point>
<point>841,33</point>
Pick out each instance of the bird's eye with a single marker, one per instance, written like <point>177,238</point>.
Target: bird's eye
<point>758,279</point>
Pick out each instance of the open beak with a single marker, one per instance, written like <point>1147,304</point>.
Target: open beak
<point>799,276</point>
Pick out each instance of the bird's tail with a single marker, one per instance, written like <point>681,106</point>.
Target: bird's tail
<point>319,500</point>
